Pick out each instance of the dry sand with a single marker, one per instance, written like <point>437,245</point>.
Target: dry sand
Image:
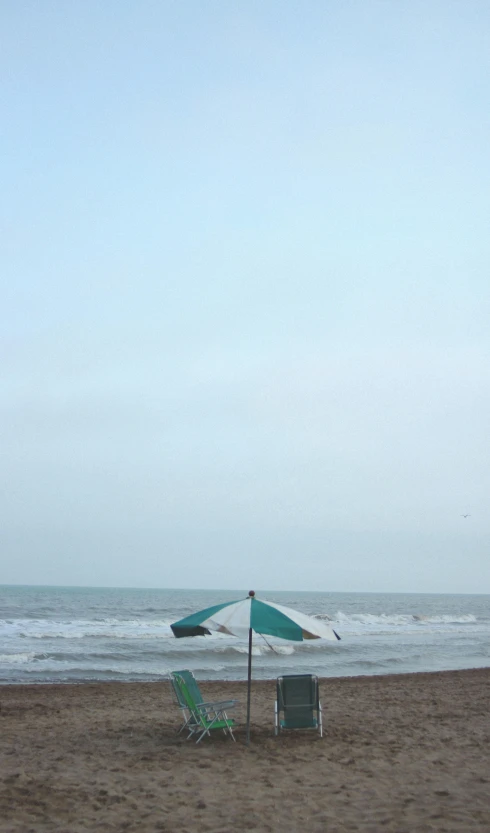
<point>405,753</point>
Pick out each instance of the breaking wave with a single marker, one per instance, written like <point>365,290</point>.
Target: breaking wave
<point>160,629</point>
<point>398,619</point>
<point>17,659</point>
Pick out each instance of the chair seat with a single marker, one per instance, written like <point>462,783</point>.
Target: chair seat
<point>300,723</point>
<point>223,724</point>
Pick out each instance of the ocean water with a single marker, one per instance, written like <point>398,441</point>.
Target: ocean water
<point>70,634</point>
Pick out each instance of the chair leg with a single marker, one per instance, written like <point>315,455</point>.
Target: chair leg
<point>209,726</point>
<point>184,725</point>
<point>206,731</point>
<point>228,729</point>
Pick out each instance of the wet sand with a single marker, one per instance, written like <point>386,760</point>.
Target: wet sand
<point>406,753</point>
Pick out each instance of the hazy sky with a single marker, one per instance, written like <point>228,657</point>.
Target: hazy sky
<point>245,294</point>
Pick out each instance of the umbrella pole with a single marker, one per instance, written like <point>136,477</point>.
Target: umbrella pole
<point>249,683</point>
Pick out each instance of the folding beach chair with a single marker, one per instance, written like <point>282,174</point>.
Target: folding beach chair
<point>200,717</point>
<point>180,701</point>
<point>298,701</point>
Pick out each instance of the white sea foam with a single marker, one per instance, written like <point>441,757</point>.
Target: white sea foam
<point>160,629</point>
<point>80,629</point>
<point>17,659</point>
<point>261,650</point>
<point>404,619</point>
<point>400,621</point>
<point>257,650</point>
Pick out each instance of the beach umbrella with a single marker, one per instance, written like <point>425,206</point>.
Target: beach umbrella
<point>241,618</point>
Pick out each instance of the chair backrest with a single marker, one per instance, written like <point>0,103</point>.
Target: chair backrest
<point>298,697</point>
<point>199,715</point>
<point>179,697</point>
<point>191,684</point>
<point>185,696</point>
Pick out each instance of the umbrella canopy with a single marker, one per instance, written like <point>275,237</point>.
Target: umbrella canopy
<point>243,617</point>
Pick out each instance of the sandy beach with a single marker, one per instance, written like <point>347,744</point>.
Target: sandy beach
<point>404,753</point>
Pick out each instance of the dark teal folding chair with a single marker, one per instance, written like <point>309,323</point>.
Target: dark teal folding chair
<point>298,703</point>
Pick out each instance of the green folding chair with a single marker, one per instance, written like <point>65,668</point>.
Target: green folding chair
<point>200,717</point>
<point>298,703</point>
<point>188,677</point>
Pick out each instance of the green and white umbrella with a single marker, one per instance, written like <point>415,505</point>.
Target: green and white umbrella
<point>241,618</point>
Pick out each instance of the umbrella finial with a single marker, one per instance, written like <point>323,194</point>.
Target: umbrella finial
<point>251,592</point>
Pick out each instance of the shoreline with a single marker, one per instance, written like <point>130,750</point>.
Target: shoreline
<point>406,753</point>
<point>223,682</point>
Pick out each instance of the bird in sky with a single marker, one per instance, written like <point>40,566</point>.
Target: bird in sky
<point>466,516</point>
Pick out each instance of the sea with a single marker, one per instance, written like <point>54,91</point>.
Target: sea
<point>87,634</point>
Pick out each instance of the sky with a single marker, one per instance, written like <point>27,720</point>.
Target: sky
<point>245,295</point>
